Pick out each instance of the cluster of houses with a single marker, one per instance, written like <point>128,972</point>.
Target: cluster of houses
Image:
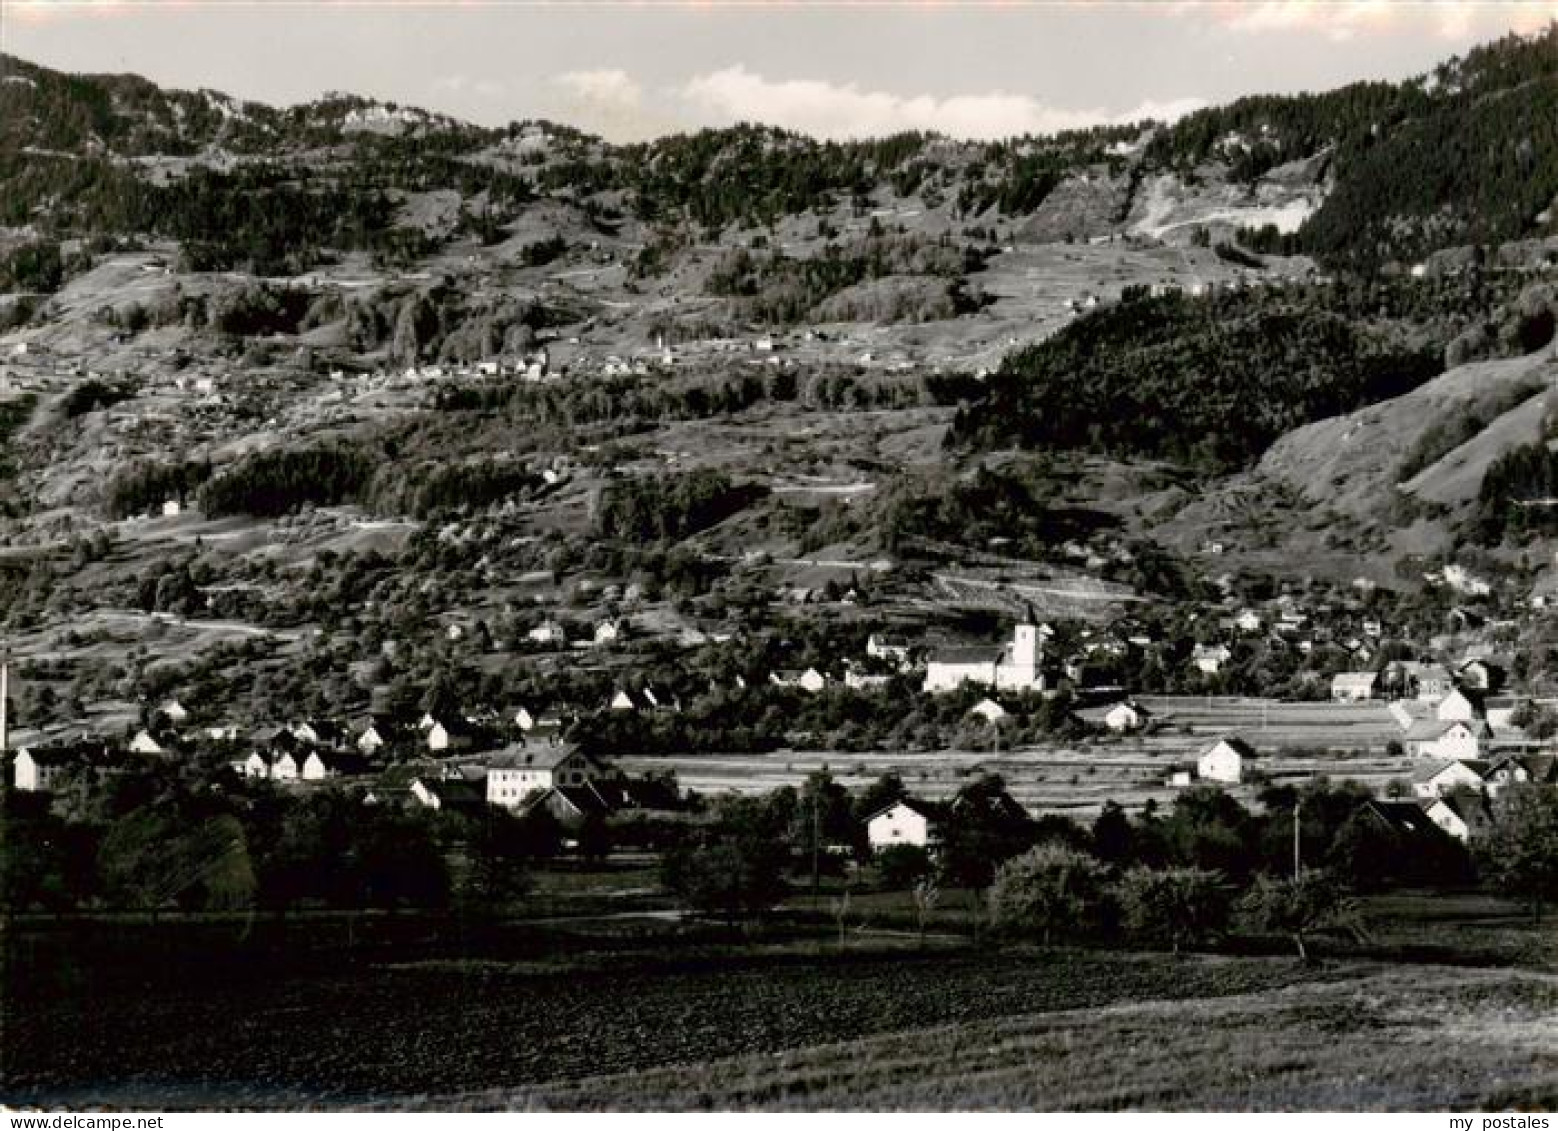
<point>515,761</point>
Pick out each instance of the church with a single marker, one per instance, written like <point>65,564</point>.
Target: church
<point>1018,666</point>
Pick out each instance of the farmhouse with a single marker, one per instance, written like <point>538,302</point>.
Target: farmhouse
<point>1224,760</point>
<point>1016,667</point>
<point>515,772</point>
<point>905,821</point>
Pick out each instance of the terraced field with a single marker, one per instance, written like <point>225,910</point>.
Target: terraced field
<point>1301,740</point>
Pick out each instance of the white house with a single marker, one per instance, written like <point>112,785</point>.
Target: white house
<point>1209,659</point>
<point>608,632</point>
<point>144,743</point>
<point>622,701</point>
<point>1224,760</point>
<point>809,680</point>
<point>1457,706</point>
<point>1521,768</point>
<point>174,712</point>
<point>446,794</point>
<point>1455,739</point>
<point>889,648</point>
<point>451,735</point>
<point>548,632</point>
<point>324,764</point>
<point>1018,666</point>
<point>376,734</point>
<point>40,770</point>
<point>516,771</point>
<point>1438,780</point>
<point>903,822</point>
<point>1455,816</point>
<point>1126,716</point>
<point>1353,687</point>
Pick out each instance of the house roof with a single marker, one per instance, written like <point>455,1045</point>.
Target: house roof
<point>1473,811</point>
<point>342,762</point>
<point>516,756</point>
<point>1539,767</point>
<point>1237,744</point>
<point>930,810</point>
<point>453,792</point>
<point>1426,730</point>
<point>1432,770</point>
<point>1354,679</point>
<point>978,654</point>
<point>581,799</point>
<point>1406,817</point>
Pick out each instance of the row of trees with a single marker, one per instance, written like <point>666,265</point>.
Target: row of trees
<point>198,838</point>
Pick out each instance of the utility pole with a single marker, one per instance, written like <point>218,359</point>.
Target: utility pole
<point>1298,862</point>
<point>816,825</point>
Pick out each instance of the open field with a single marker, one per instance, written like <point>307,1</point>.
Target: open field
<point>1367,1040</point>
<point>353,1032</point>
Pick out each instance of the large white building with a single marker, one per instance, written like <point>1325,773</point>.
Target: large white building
<point>1018,666</point>
<point>516,772</point>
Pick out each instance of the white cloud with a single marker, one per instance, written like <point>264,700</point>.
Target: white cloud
<point>1343,20</point>
<point>612,89</point>
<point>464,84</point>
<point>837,111</point>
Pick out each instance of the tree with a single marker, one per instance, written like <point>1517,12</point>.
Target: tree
<point>1113,837</point>
<point>982,830</point>
<point>1180,906</point>
<point>1054,892</point>
<point>498,847</point>
<point>901,866</point>
<point>728,874</point>
<point>1520,857</point>
<point>1299,907</point>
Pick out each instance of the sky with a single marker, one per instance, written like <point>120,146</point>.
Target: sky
<point>632,69</point>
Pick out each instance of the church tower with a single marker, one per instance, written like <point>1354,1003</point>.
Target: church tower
<point>1027,655</point>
